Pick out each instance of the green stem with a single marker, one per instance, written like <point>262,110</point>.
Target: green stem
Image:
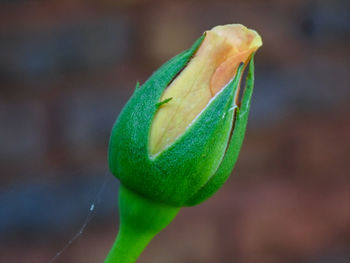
<point>140,220</point>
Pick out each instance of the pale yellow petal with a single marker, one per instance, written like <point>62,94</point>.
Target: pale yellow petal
<point>212,67</point>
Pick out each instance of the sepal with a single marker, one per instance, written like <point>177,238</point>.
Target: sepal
<point>234,147</point>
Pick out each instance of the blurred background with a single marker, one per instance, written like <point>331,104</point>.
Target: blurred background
<point>68,66</point>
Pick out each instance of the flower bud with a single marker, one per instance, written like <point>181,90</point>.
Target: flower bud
<point>178,137</point>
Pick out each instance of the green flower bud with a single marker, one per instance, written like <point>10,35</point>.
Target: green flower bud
<point>171,141</point>
<point>177,139</point>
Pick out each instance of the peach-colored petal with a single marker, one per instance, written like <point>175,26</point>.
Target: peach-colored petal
<point>212,67</point>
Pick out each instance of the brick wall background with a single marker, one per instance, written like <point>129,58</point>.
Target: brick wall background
<point>66,69</point>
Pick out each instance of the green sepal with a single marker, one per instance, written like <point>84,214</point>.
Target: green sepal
<point>128,155</point>
<point>231,156</point>
<point>184,167</point>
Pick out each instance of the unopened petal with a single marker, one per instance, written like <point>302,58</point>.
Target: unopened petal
<point>213,66</point>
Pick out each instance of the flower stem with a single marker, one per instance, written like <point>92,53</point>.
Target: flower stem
<point>140,220</point>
